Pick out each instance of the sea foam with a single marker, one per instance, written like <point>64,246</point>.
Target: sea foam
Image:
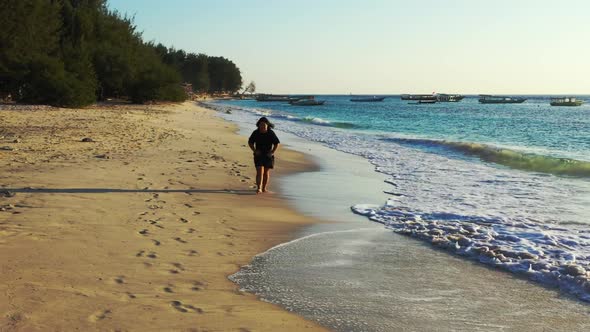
<point>545,253</point>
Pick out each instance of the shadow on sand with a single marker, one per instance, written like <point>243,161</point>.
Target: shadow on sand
<point>125,191</point>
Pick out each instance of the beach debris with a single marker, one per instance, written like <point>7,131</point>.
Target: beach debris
<point>87,139</point>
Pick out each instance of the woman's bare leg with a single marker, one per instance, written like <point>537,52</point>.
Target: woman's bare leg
<point>265,179</point>
<point>259,171</point>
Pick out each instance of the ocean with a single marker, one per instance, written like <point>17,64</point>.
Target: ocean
<point>505,186</point>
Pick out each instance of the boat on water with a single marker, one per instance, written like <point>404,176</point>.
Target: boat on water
<point>367,99</point>
<point>264,97</point>
<point>424,101</point>
<point>491,99</point>
<point>418,97</point>
<point>307,102</point>
<point>566,101</point>
<point>440,97</point>
<point>449,98</point>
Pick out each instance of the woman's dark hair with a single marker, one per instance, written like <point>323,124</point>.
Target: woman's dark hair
<point>264,119</point>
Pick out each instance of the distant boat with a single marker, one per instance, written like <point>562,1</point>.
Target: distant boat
<point>272,98</point>
<point>418,97</point>
<point>490,99</point>
<point>307,102</point>
<point>566,101</point>
<point>367,99</point>
<point>449,98</point>
<point>424,101</point>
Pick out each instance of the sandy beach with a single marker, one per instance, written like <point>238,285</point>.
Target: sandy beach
<point>130,218</point>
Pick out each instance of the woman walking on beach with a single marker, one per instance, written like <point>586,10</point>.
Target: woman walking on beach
<point>264,143</point>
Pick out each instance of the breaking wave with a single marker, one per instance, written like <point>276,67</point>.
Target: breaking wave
<point>507,157</point>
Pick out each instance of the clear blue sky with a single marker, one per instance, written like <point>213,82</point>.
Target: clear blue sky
<point>383,46</point>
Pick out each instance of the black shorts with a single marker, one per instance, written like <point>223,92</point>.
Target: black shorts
<point>264,160</point>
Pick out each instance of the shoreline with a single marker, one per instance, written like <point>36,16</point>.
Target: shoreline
<point>395,281</point>
<point>147,220</point>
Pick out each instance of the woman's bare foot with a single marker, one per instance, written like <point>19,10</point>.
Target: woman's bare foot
<point>258,191</point>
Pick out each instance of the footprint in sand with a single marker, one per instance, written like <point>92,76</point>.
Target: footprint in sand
<point>169,289</point>
<point>99,315</point>
<point>142,253</point>
<point>197,286</point>
<point>179,266</point>
<point>184,220</point>
<point>185,308</point>
<point>180,240</point>
<point>120,279</point>
<point>155,224</point>
<point>144,232</point>
<point>156,242</point>
<point>192,253</point>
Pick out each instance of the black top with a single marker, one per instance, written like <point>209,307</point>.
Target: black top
<point>263,141</point>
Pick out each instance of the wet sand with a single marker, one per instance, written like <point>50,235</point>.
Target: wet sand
<point>137,227</point>
<point>355,275</point>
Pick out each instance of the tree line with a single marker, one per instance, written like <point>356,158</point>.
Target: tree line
<point>72,53</point>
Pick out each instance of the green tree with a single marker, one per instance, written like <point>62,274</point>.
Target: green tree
<point>195,71</point>
<point>71,52</point>
<point>224,75</point>
<point>155,80</point>
<point>29,36</point>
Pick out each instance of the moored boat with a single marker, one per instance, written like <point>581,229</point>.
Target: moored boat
<point>449,98</point>
<point>307,102</point>
<point>367,99</point>
<point>417,97</point>
<point>491,99</point>
<point>424,101</point>
<point>264,97</point>
<point>566,101</point>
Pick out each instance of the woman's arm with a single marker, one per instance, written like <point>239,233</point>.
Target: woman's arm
<point>275,147</point>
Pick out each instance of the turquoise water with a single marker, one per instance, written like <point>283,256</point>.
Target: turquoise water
<point>532,136</point>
